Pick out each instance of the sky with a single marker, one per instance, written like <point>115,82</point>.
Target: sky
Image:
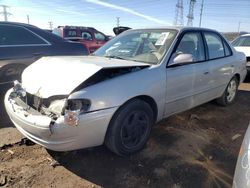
<point>222,15</point>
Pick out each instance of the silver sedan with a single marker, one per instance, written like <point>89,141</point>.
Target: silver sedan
<point>115,95</point>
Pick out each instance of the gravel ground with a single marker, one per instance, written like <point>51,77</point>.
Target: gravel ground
<point>190,149</point>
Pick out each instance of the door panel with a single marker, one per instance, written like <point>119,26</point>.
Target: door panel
<point>221,71</point>
<point>222,64</point>
<point>180,88</point>
<point>188,83</point>
<point>185,87</point>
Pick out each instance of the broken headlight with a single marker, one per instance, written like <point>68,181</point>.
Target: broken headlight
<point>57,106</point>
<point>18,91</point>
<point>73,108</point>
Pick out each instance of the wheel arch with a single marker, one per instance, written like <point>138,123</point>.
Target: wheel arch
<point>149,100</point>
<point>18,67</point>
<point>237,75</point>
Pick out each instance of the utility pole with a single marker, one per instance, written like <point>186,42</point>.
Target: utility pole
<point>28,19</point>
<point>190,15</point>
<point>202,5</point>
<point>50,25</point>
<point>179,13</point>
<point>5,13</point>
<point>117,21</point>
<point>239,28</point>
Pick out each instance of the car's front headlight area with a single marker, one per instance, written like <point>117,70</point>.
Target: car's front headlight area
<point>70,109</point>
<point>73,108</point>
<point>57,106</point>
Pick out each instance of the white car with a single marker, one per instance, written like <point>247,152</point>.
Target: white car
<point>116,95</point>
<point>242,44</point>
<point>242,170</point>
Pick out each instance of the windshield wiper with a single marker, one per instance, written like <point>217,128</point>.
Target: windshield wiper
<point>115,57</point>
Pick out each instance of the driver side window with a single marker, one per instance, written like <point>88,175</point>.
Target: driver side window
<point>192,43</point>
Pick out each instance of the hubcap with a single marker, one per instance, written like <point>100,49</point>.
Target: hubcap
<point>134,129</point>
<point>231,90</point>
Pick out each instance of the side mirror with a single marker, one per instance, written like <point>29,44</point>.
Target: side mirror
<point>180,59</point>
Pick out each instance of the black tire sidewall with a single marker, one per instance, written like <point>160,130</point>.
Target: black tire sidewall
<point>114,131</point>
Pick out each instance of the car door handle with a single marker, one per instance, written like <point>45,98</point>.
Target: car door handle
<point>206,73</point>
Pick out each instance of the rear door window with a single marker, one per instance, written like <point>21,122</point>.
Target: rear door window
<point>16,35</point>
<point>215,45</point>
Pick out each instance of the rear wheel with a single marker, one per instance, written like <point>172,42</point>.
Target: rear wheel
<point>130,128</point>
<point>230,93</point>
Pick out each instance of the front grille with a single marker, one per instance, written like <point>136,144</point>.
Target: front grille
<point>37,102</point>
<point>33,101</point>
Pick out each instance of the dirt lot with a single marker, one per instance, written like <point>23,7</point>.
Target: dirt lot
<point>191,149</point>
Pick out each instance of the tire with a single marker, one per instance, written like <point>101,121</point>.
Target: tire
<point>130,128</point>
<point>11,72</point>
<point>230,93</point>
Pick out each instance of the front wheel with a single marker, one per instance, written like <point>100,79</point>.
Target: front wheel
<point>130,127</point>
<point>230,93</point>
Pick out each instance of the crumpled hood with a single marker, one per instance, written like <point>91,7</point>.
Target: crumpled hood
<point>60,75</point>
<point>244,49</point>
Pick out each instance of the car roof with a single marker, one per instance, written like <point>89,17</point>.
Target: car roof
<point>17,24</point>
<point>45,34</point>
<point>76,27</point>
<point>178,28</point>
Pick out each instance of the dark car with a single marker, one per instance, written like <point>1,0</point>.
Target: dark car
<point>22,44</point>
<point>89,36</point>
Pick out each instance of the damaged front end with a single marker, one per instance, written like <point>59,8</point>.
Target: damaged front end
<point>52,107</point>
<point>62,106</point>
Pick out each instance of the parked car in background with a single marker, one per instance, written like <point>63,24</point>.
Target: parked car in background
<point>89,36</point>
<point>22,44</point>
<point>242,170</point>
<point>117,94</point>
<point>242,44</point>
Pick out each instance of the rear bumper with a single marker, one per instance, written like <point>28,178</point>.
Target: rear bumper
<point>89,132</point>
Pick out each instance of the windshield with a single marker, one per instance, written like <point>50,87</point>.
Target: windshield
<point>147,46</point>
<point>242,41</point>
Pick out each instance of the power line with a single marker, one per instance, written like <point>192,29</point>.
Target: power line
<point>190,15</point>
<point>179,13</point>
<point>50,25</point>
<point>28,19</point>
<point>202,5</point>
<point>5,13</point>
<point>117,21</point>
